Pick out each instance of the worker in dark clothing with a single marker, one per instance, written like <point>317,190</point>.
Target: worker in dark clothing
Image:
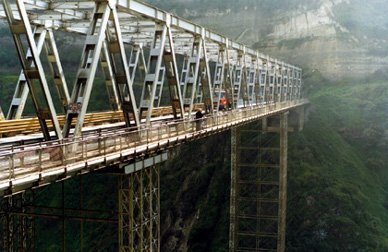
<point>198,118</point>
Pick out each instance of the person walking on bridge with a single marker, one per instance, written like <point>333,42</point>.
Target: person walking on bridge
<point>198,118</point>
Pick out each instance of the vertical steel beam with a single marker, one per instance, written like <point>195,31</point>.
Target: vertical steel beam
<point>126,208</point>
<point>33,69</point>
<point>184,72</point>
<point>278,82</point>
<point>228,78</point>
<point>237,79</point>
<point>156,239</point>
<point>151,81</point>
<point>282,182</point>
<point>233,225</point>
<point>296,84</point>
<point>299,85</point>
<point>240,88</point>
<point>172,75</point>
<point>244,80</point>
<point>218,82</point>
<point>56,69</point>
<point>137,60</point>
<point>110,80</point>
<point>264,81</point>
<point>256,87</point>
<point>119,61</point>
<point>291,84</point>
<point>290,74</point>
<point>1,115</point>
<point>160,84</point>
<point>285,82</point>
<point>206,85</point>
<point>190,87</point>
<point>251,81</point>
<point>272,81</point>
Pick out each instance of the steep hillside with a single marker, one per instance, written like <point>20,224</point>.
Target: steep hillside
<point>338,171</point>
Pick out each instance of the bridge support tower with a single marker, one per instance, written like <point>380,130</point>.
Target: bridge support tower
<point>139,211</point>
<point>259,185</point>
<point>17,227</point>
<point>139,205</point>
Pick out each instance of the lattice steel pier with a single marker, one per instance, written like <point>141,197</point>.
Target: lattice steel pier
<point>259,186</point>
<point>139,211</point>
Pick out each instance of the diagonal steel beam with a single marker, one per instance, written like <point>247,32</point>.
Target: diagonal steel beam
<point>251,81</point>
<point>172,74</point>
<point>44,39</point>
<point>190,87</point>
<point>34,73</point>
<point>218,82</point>
<point>228,79</point>
<point>20,95</point>
<point>110,81</point>
<point>207,88</point>
<point>56,69</point>
<point>99,31</point>
<point>151,82</point>
<point>121,71</point>
<point>137,60</point>
<point>1,115</point>
<point>86,72</point>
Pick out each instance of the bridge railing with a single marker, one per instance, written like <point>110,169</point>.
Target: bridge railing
<point>68,154</point>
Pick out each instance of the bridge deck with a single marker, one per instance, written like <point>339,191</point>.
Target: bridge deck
<point>31,165</point>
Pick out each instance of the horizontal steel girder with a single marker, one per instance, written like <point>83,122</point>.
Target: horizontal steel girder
<point>137,22</point>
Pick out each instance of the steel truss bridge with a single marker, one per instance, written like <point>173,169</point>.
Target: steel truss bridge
<point>194,66</point>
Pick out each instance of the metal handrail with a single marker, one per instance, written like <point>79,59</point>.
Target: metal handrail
<point>41,157</point>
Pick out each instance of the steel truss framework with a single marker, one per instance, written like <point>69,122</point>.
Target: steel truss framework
<point>259,186</point>
<point>44,38</point>
<point>247,76</point>
<point>21,215</point>
<point>139,210</point>
<point>17,228</point>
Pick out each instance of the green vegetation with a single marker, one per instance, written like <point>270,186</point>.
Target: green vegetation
<point>337,192</point>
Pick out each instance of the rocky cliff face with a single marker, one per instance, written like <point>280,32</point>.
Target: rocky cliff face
<point>300,23</point>
<point>341,38</point>
<point>326,38</point>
